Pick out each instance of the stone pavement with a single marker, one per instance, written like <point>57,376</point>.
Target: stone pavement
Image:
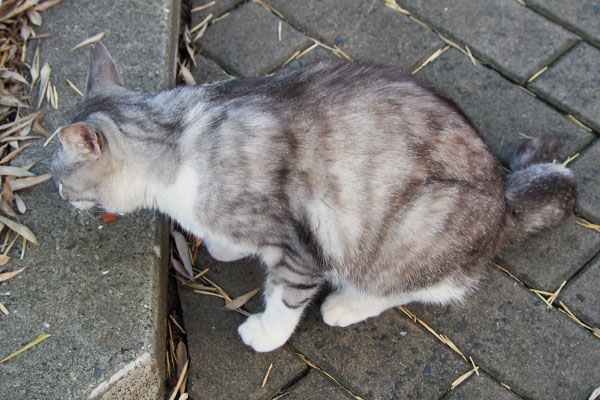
<point>99,289</point>
<point>523,348</point>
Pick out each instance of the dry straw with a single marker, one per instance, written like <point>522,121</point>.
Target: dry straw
<point>321,370</point>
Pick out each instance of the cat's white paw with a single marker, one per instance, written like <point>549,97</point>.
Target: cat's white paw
<point>224,252</point>
<point>254,334</point>
<point>340,309</point>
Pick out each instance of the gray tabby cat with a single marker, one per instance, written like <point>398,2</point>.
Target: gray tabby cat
<point>347,174</point>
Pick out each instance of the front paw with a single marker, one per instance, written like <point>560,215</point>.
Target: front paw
<point>254,334</point>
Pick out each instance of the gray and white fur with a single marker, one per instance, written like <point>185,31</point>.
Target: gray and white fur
<point>352,175</point>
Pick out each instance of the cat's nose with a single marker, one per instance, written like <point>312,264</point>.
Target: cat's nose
<point>60,187</point>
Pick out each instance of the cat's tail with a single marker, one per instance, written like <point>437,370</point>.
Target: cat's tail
<point>538,193</point>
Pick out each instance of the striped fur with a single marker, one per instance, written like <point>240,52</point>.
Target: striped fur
<point>352,175</point>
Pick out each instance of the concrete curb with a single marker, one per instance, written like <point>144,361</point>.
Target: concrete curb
<point>99,289</point>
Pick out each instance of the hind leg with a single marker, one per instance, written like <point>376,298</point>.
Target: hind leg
<point>346,306</point>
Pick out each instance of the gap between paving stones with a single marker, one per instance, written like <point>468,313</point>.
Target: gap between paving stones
<point>426,328</point>
<point>552,296</point>
<point>468,54</point>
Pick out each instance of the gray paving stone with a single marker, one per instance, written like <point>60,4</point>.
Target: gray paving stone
<point>552,256</point>
<point>587,171</point>
<point>100,292</point>
<point>222,366</point>
<point>318,54</point>
<point>499,109</point>
<point>205,71</point>
<point>218,9</point>
<point>580,16</point>
<point>573,83</point>
<point>381,358</point>
<point>512,38</point>
<point>366,30</point>
<point>316,386</point>
<point>582,296</point>
<point>511,334</point>
<point>246,42</point>
<point>481,387</point>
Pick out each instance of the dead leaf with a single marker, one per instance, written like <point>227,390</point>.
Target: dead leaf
<point>20,229</point>
<point>184,253</point>
<point>46,5</point>
<point>7,275</point>
<point>187,76</point>
<point>241,300</point>
<point>21,207</point>
<point>14,171</point>
<point>23,183</point>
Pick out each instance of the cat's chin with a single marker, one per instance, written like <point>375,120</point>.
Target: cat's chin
<point>83,205</point>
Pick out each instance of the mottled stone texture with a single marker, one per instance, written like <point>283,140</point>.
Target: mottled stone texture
<point>573,84</point>
<point>505,34</point>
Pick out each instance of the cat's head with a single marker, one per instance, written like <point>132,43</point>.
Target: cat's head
<point>88,166</point>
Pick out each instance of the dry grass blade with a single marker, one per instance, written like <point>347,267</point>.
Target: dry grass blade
<point>89,41</point>
<point>201,24</point>
<point>184,253</point>
<point>75,89</point>
<point>279,28</point>
<point>431,59</point>
<point>554,295</point>
<point>394,6</point>
<point>266,378</point>
<point>34,70</point>
<point>56,132</point>
<point>569,159</point>
<point>543,296</point>
<point>537,74</point>
<point>270,8</point>
<point>241,300</point>
<point>4,259</point>
<point>524,136</point>
<point>172,318</point>
<point>182,377</point>
<point>7,275</point>
<point>507,272</point>
<point>198,36</point>
<point>327,374</point>
<point>4,309</point>
<point>203,7</point>
<point>35,342</point>
<point>23,183</point>
<point>44,81</point>
<point>565,310</point>
<point>181,356</point>
<point>470,56</point>
<point>587,224</point>
<point>578,122</point>
<point>220,17</point>
<point>463,377</point>
<point>20,229</point>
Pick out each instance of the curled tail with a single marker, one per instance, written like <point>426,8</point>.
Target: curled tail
<point>538,193</point>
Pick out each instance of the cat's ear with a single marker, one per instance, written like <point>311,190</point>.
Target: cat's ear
<point>82,140</point>
<point>103,74</point>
